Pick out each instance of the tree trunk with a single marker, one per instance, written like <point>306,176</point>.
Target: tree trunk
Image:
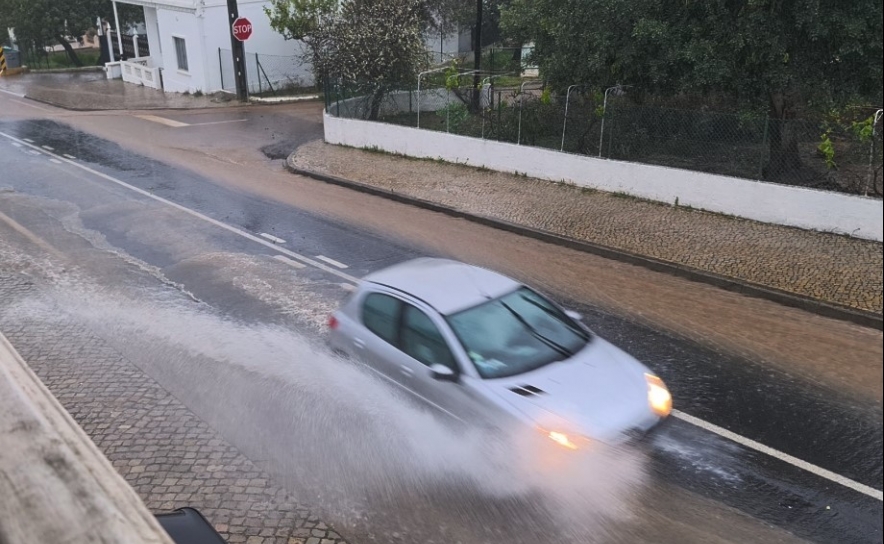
<point>784,161</point>
<point>72,55</point>
<point>376,99</point>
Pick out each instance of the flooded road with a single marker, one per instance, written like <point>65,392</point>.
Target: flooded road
<point>196,295</point>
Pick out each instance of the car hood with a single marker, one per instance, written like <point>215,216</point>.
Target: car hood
<point>600,393</point>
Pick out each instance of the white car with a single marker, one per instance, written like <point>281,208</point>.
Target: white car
<point>483,348</point>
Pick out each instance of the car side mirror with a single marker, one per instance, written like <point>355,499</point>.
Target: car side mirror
<point>576,316</point>
<point>443,373</point>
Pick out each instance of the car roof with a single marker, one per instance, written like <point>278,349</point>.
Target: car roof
<point>448,286</point>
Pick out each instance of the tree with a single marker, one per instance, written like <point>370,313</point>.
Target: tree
<point>41,22</point>
<point>782,56</point>
<point>374,45</point>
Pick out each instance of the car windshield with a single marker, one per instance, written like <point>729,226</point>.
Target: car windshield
<point>516,333</point>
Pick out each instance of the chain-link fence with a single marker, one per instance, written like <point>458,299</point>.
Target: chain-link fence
<point>268,75</point>
<point>843,155</point>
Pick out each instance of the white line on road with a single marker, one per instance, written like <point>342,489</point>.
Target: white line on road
<point>28,104</point>
<point>17,95</point>
<point>56,161</point>
<point>198,215</point>
<point>293,264</point>
<point>69,156</point>
<point>332,262</point>
<point>33,152</point>
<point>48,148</point>
<point>30,141</point>
<point>747,442</point>
<point>16,144</point>
<point>217,122</point>
<point>163,121</point>
<point>794,461</point>
<point>273,238</point>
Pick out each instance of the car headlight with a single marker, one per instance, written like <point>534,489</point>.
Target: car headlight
<point>569,441</point>
<point>562,439</point>
<point>659,397</point>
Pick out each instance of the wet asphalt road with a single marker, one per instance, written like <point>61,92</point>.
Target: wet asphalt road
<point>784,412</point>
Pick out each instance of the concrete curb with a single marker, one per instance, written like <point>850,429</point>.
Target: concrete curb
<point>843,313</point>
<point>283,99</point>
<point>148,108</point>
<point>65,70</point>
<point>50,455</point>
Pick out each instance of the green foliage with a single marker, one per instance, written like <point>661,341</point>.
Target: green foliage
<point>800,53</point>
<point>38,23</point>
<point>455,114</point>
<point>827,150</point>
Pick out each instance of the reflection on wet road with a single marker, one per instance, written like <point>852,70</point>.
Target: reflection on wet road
<point>341,441</point>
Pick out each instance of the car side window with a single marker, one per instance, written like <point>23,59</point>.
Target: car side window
<point>421,339</point>
<point>380,314</point>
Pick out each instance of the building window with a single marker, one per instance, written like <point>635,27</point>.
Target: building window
<point>181,53</point>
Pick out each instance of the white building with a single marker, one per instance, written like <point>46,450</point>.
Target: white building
<point>190,51</point>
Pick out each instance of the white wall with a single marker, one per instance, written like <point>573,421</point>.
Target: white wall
<point>153,36</point>
<point>186,25</point>
<point>264,41</point>
<point>206,31</point>
<point>767,202</point>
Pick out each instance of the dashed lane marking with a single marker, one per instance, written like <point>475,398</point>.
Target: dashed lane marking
<point>286,260</point>
<point>272,238</point>
<point>56,161</point>
<point>332,262</point>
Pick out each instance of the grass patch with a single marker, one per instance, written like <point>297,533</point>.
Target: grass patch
<point>59,59</point>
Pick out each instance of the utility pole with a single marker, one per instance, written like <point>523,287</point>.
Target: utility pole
<point>239,54</point>
<point>477,57</point>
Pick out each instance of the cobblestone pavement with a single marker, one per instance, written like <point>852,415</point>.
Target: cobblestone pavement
<point>827,267</point>
<point>171,457</point>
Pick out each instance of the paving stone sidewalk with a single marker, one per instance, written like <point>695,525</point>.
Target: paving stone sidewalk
<point>91,91</point>
<point>170,456</point>
<point>827,267</point>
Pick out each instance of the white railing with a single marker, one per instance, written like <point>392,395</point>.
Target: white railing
<point>139,70</point>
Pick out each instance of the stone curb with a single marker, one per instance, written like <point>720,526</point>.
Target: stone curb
<point>283,99</point>
<point>843,313</point>
<point>148,108</point>
<point>73,69</point>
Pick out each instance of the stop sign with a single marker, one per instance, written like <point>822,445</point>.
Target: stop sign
<point>242,29</point>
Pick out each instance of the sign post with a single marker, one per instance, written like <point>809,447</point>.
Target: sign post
<point>238,34</point>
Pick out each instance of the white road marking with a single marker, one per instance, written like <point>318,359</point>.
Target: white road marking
<point>348,287</point>
<point>257,239</point>
<point>794,461</point>
<point>16,144</point>
<point>217,122</point>
<point>273,238</point>
<point>747,442</point>
<point>30,141</point>
<point>48,148</point>
<point>69,156</point>
<point>28,104</point>
<point>33,152</point>
<point>17,95</point>
<point>56,161</point>
<point>293,264</point>
<point>331,261</point>
<point>163,121</point>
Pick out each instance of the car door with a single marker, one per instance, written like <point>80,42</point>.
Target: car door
<point>376,341</point>
<point>424,343</point>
